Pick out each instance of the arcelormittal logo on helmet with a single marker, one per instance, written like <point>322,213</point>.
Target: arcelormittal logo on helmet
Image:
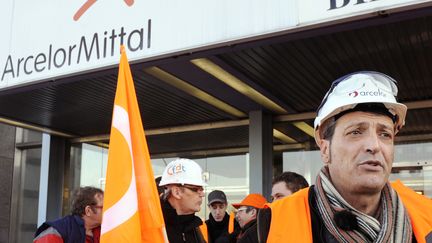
<point>369,93</point>
<point>176,169</point>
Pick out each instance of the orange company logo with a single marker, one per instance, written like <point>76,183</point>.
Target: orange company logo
<point>176,169</point>
<point>89,3</point>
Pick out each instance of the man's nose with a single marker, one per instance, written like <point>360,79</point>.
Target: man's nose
<point>372,144</point>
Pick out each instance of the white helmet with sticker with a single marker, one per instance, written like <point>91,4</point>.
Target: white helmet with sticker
<point>182,171</point>
<point>361,87</point>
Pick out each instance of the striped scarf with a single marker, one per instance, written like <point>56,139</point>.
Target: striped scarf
<point>393,224</point>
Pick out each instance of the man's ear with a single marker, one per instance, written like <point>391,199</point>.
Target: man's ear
<point>324,146</point>
<point>176,192</point>
<point>325,151</point>
<point>87,210</point>
<point>254,212</point>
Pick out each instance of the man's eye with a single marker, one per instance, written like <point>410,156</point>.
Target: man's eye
<point>355,132</point>
<point>386,135</point>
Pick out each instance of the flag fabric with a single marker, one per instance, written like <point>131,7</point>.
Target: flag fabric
<point>132,210</point>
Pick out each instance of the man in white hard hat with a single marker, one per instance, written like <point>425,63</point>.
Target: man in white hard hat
<point>352,200</point>
<point>182,198</point>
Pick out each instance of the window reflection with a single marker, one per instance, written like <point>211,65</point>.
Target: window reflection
<point>93,166</point>
<point>412,165</point>
<point>228,173</point>
<point>26,177</point>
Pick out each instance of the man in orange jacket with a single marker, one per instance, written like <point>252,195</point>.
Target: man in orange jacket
<point>352,200</point>
<point>247,211</point>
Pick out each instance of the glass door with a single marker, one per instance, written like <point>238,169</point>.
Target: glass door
<point>416,175</point>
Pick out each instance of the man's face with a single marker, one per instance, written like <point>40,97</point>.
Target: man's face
<point>93,213</point>
<point>361,152</point>
<point>217,210</point>
<point>191,198</point>
<point>244,217</point>
<point>280,190</point>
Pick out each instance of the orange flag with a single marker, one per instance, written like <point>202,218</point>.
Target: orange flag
<point>132,210</point>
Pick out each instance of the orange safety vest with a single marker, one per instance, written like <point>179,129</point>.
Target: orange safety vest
<point>204,231</point>
<point>291,221</point>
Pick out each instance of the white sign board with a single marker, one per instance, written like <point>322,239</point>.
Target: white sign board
<point>318,11</point>
<point>45,39</point>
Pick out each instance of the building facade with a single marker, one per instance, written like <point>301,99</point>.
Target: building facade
<point>233,86</point>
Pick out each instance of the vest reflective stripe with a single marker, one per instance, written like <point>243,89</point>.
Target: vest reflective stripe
<point>231,222</point>
<point>419,209</point>
<point>204,232</point>
<point>291,220</point>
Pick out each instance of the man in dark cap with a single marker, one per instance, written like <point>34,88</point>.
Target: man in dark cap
<point>217,224</point>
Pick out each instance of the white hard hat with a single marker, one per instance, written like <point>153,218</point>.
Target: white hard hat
<point>358,88</point>
<point>182,171</point>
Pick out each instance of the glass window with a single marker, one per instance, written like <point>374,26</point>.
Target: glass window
<point>229,174</point>
<point>159,165</point>
<point>94,161</point>
<point>233,181</point>
<point>25,194</point>
<point>29,136</point>
<point>412,165</point>
<point>427,170</point>
<point>306,163</point>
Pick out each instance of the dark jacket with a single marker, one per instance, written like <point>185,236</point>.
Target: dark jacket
<point>248,233</point>
<point>71,228</point>
<point>217,231</point>
<point>181,228</point>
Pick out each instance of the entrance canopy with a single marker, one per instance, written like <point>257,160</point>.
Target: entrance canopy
<point>197,102</point>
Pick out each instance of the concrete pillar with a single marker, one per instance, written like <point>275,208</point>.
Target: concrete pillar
<point>7,152</point>
<point>260,152</point>
<point>72,174</point>
<point>277,163</point>
<point>57,159</point>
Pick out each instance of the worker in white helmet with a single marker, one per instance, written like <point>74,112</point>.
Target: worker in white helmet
<point>352,199</point>
<point>182,198</point>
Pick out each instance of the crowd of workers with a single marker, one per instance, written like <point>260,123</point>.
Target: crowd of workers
<point>351,200</point>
